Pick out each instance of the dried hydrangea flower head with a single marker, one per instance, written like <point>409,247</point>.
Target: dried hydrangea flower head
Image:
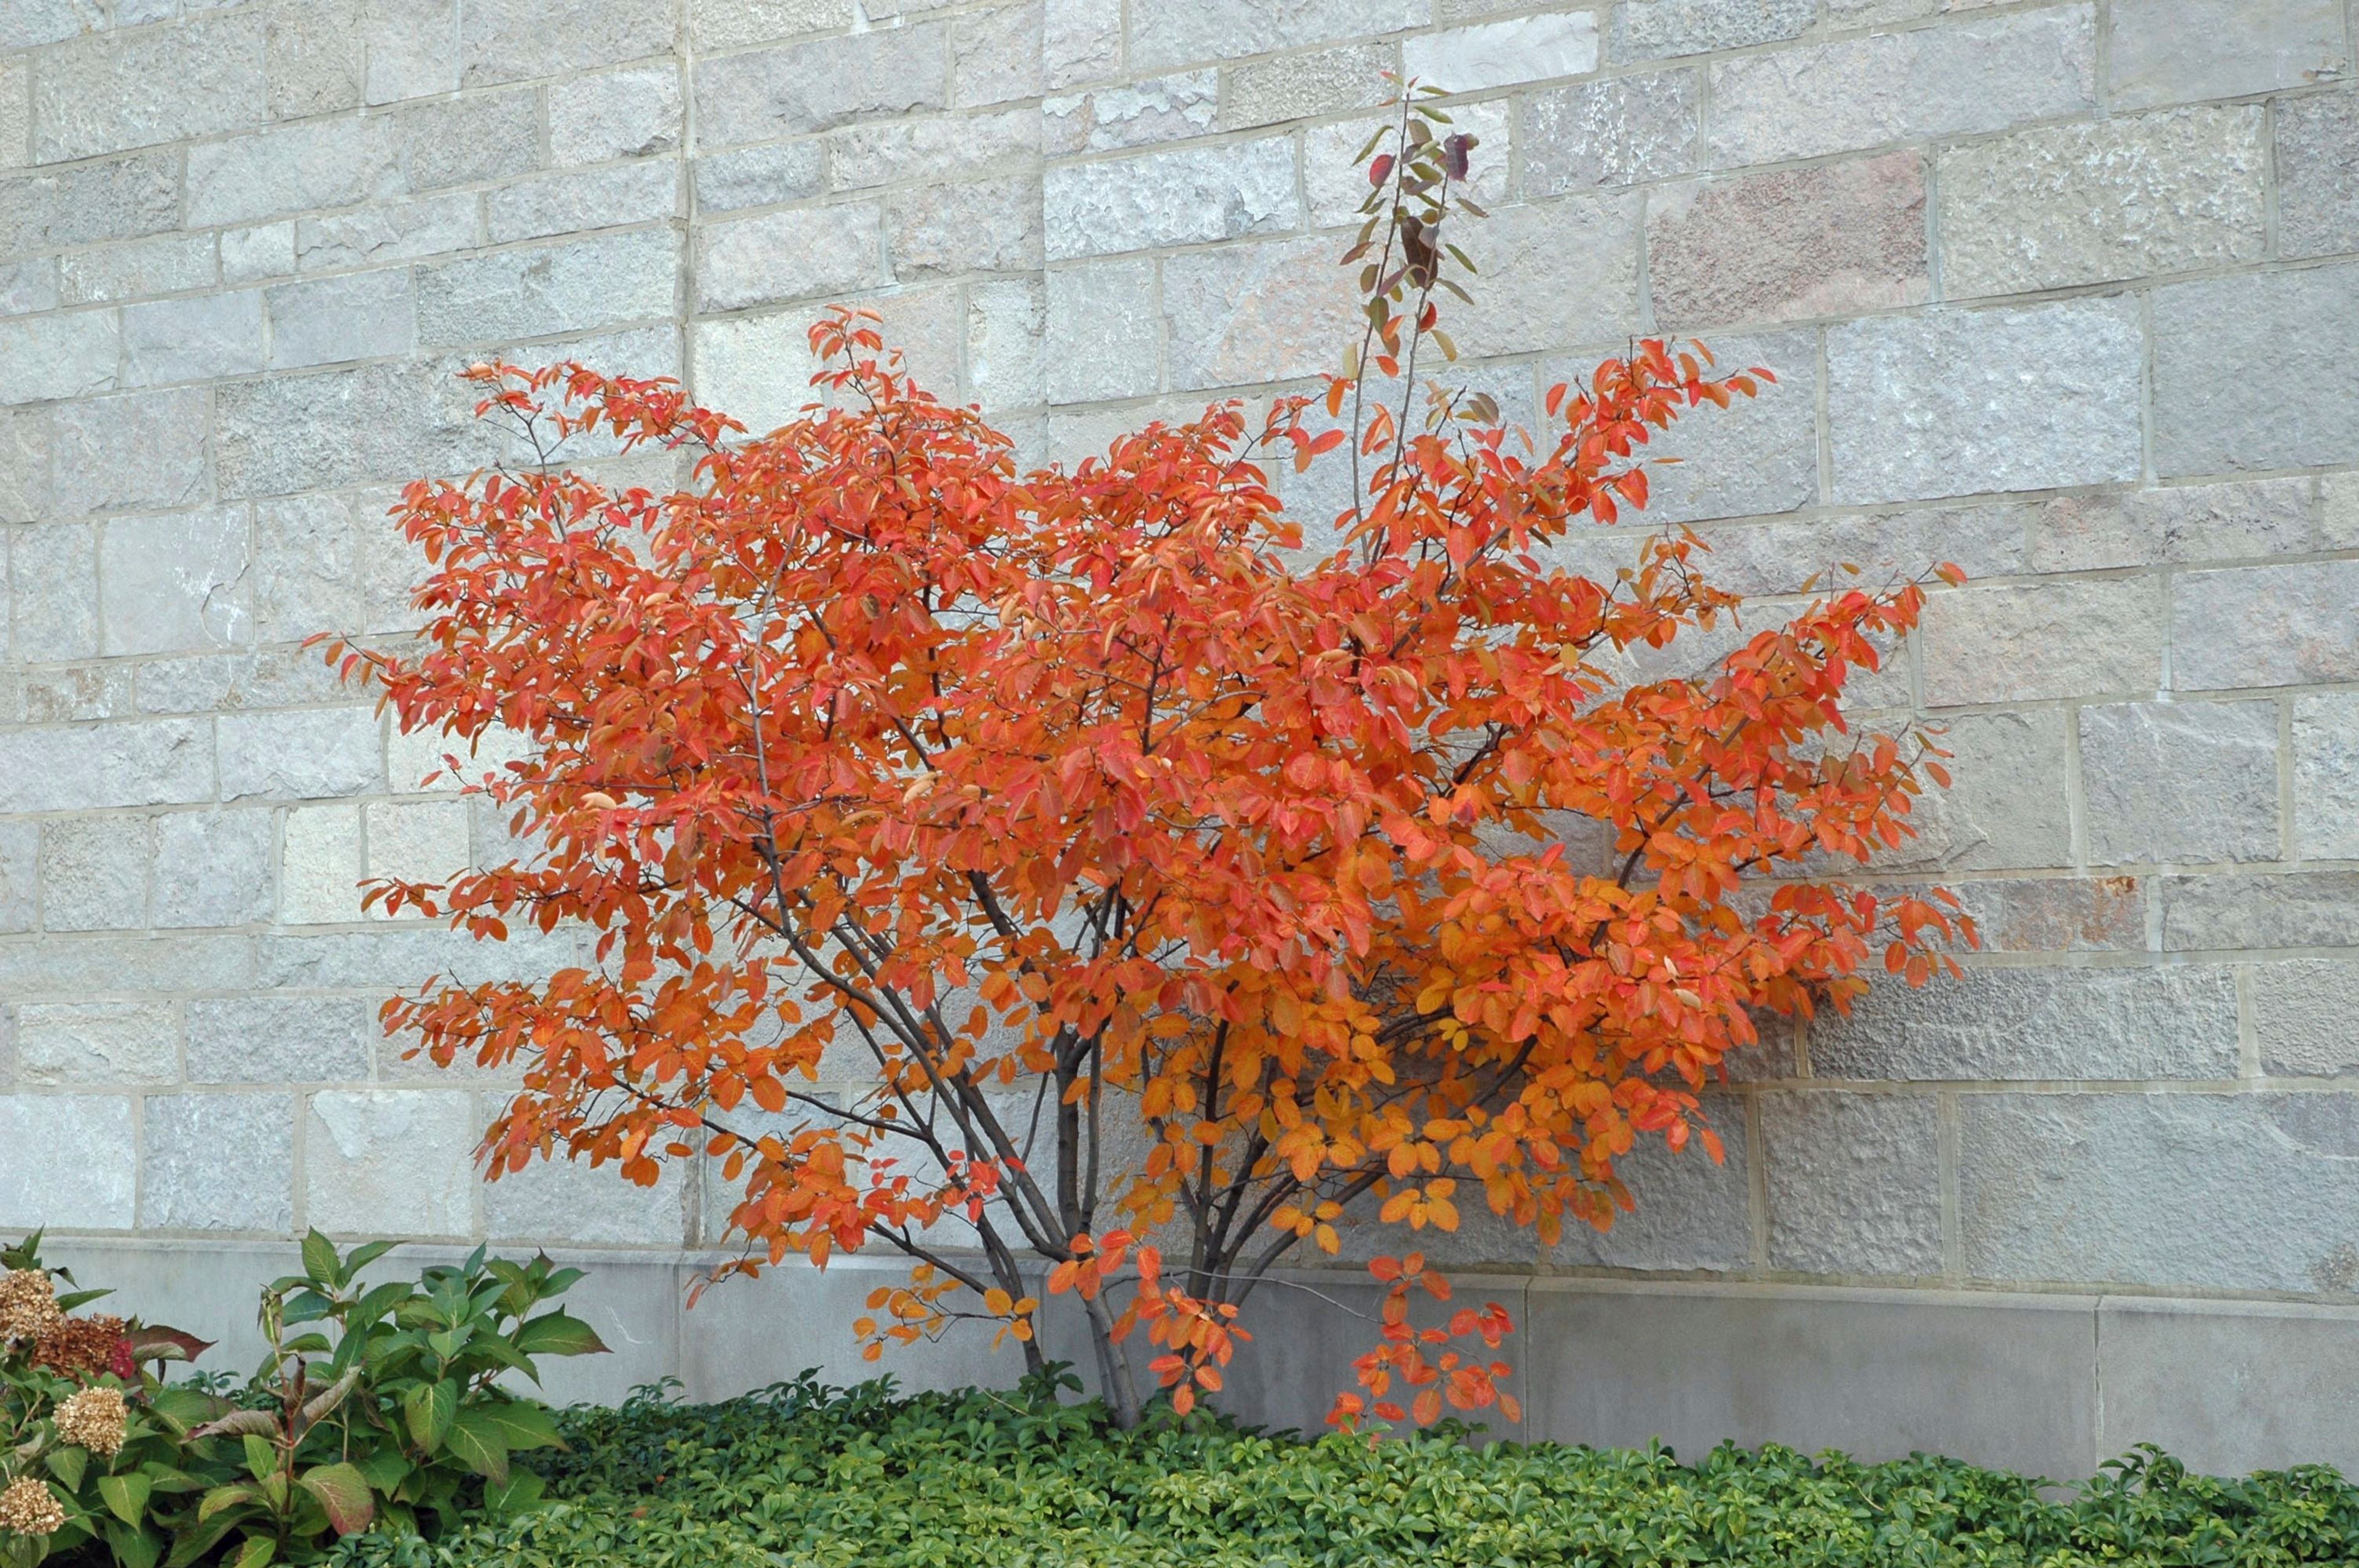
<point>95,1419</point>
<point>82,1348</point>
<point>29,1305</point>
<point>29,1507</point>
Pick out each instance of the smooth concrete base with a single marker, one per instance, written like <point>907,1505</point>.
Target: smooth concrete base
<point>2051,1385</point>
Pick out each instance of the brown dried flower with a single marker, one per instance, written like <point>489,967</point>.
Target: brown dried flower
<point>81,1348</point>
<point>95,1419</point>
<point>29,1508</point>
<point>29,1305</point>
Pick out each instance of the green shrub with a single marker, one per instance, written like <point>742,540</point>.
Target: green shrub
<point>801,1477</point>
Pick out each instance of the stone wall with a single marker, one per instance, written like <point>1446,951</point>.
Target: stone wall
<point>2065,292</point>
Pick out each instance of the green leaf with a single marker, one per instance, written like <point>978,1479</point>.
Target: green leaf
<point>521,1425</point>
<point>363,1256</point>
<point>307,1307</point>
<point>239,1423</point>
<point>68,1465</point>
<point>520,1494</point>
<point>220,1498</point>
<point>344,1492</point>
<point>195,1541</point>
<point>126,1495</point>
<point>72,1299</point>
<point>320,1260</point>
<point>132,1548</point>
<point>261,1456</point>
<point>479,1447</point>
<point>380,1300</point>
<point>428,1409</point>
<point>384,1470</point>
<point>255,1553</point>
<point>558,1334</point>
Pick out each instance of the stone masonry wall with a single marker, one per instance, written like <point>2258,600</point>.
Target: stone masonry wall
<point>2065,291</point>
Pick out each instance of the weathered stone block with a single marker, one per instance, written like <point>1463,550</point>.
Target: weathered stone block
<point>380,421</point>
<point>1335,186</point>
<point>20,888</point>
<point>1252,312</point>
<point>994,54</point>
<point>1854,1182</point>
<point>212,868</point>
<point>801,254</point>
<point>2184,522</point>
<point>2170,51</point>
<point>1957,77</point>
<point>549,288</point>
<point>105,92</point>
<point>2064,639</point>
<point>143,448</point>
<point>2055,915</point>
<point>319,163</point>
<point>458,141</point>
<point>2106,1023</point>
<point>2248,1192</point>
<point>731,24</point>
<point>1784,556</point>
<point>1006,329</point>
<point>1647,30</point>
<point>267,250</point>
<point>24,465</point>
<point>410,758</point>
<point>73,1162</point>
<point>1832,240</point>
<point>2222,914</point>
<point>302,755</point>
<point>1623,131</point>
<point>15,113</point>
<point>385,231</point>
<point>1553,273</point>
<point>422,842</point>
<point>168,263</point>
<point>2061,205</point>
<point>1079,40</point>
<point>1501,54</point>
<point>2215,339</point>
<point>507,40</point>
<point>2189,782</point>
<point>70,968</point>
<point>311,59</point>
<point>757,369</point>
<point>280,1040</point>
<point>1186,197</point>
<point>54,597</point>
<point>194,339</point>
<point>61,694</point>
<point>811,86</point>
<point>29,288</point>
<point>412,48</point>
<point>1257,92</point>
<point>1954,403</point>
<point>2326,777</point>
<point>1690,1213</point>
<point>359,316</point>
<point>163,761</point>
<point>57,356</point>
<point>176,582</point>
<point>2283,625</point>
<point>1102,331</point>
<point>912,149</point>
<point>218,1161</point>
<point>2007,804</point>
<point>617,113</point>
<point>321,866</point>
<point>1166,36</point>
<point>2317,175</point>
<point>562,1200</point>
<point>94,873</point>
<point>981,226</point>
<point>759,177</point>
<point>391,1163</point>
<point>97,1043</point>
<point>118,199</point>
<point>306,572</point>
<point>1131,113</point>
<point>2306,1017</point>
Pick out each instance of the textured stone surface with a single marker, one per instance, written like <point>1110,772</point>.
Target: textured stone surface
<point>617,113</point>
<point>218,1161</point>
<point>1132,114</point>
<point>2306,1017</point>
<point>2063,639</point>
<point>2318,178</point>
<point>1185,197</point>
<point>2043,1023</point>
<point>73,1162</point>
<point>212,868</point>
<point>115,199</point>
<point>110,92</point>
<point>1832,240</point>
<point>2216,337</point>
<point>1336,187</point>
<point>299,754</point>
<point>318,163</point>
<point>21,889</point>
<point>1690,1213</point>
<point>94,873</point>
<point>826,82</point>
<point>947,229</point>
<point>1250,313</point>
<point>592,198</point>
<point>552,288</point>
<point>321,866</point>
<point>1620,131</point>
<point>57,356</point>
<point>140,450</point>
<point>382,421</point>
<point>387,232</point>
<point>176,582</point>
<point>137,762</point>
<point>1967,77</point>
<point>2008,804</point>
<point>164,265</point>
<point>2250,1190</point>
<point>97,1043</point>
<point>1260,93</point>
<point>1501,54</point>
<point>758,176</point>
<point>2185,782</point>
<point>2186,522</point>
<point>305,577</point>
<point>1163,35</point>
<point>2275,625</point>
<point>2168,51</point>
<point>1102,331</point>
<point>2128,198</point>
<point>559,1200</point>
<point>2214,913</point>
<point>1854,1182</point>
<point>1554,273</point>
<point>357,316</point>
<point>503,41</point>
<point>2326,777</point>
<point>279,1039</point>
<point>394,1162</point>
<point>1644,29</point>
<point>186,339</point>
<point>1954,403</point>
<point>796,254</point>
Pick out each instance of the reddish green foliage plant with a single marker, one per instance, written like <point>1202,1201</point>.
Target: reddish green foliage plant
<point>1183,894</point>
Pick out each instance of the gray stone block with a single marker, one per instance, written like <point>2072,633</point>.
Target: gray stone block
<point>417,841</point>
<point>117,199</point>
<point>1257,92</point>
<point>458,141</point>
<point>1830,240</point>
<point>1553,274</point>
<point>2234,1190</point>
<point>2306,1017</point>
<point>110,1042</point>
<point>2044,1023</point>
<point>2326,777</point>
<point>321,866</point>
<point>29,288</point>
<point>44,357</point>
<point>1130,114</point>
<point>566,288</point>
<point>1784,558</point>
<point>145,449</point>
<point>1190,196</point>
<point>94,873</point>
<point>311,59</point>
<point>1649,29</point>
<point>1166,36</point>
<point>280,1039</point>
<point>1689,1212</point>
<point>2170,51</point>
<point>2063,639</point>
<point>1247,313</point>
<point>212,868</point>
<point>391,1163</point>
<point>1961,77</point>
<point>302,755</point>
<point>23,464</point>
<point>811,86</point>
<point>2061,205</point>
<point>1955,403</point>
<point>2227,1387</point>
<point>2318,178</point>
<point>107,92</point>
<point>176,582</point>
<point>218,1161</point>
<point>1079,40</point>
<point>590,198</point>
<point>932,148</point>
<point>2183,522</point>
<point>76,967</point>
<point>801,254</point>
<point>2214,338</point>
<point>375,422</point>
<point>318,163</point>
<point>1854,1182</point>
<point>73,1162</point>
<point>385,231</point>
<point>1102,331</point>
<point>755,368</point>
<point>981,226</point>
<point>393,957</point>
<point>2189,782</point>
<point>617,113</point>
<point>150,761</point>
<point>731,24</point>
<point>1503,54</point>
<point>20,890</point>
<point>555,1201</point>
<point>2282,625</point>
<point>307,576</point>
<point>1006,329</point>
<point>995,53</point>
<point>2222,914</point>
<point>60,695</point>
<point>168,263</point>
<point>359,316</point>
<point>267,250</point>
<point>758,176</point>
<point>1623,131</point>
<point>412,48</point>
<point>2055,915</point>
<point>507,40</point>
<point>54,591</point>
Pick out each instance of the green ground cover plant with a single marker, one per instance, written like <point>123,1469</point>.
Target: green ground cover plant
<point>805,1476</point>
